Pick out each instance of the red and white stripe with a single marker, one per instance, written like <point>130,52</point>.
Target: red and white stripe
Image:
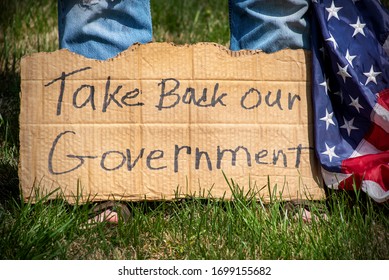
<point>368,166</point>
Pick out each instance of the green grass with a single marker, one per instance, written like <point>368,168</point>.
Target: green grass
<point>194,228</point>
<point>189,228</point>
<point>187,22</point>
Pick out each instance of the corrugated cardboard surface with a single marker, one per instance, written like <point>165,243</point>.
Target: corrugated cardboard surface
<point>161,120</point>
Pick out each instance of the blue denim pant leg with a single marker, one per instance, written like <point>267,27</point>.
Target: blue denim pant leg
<point>269,25</point>
<point>101,29</point>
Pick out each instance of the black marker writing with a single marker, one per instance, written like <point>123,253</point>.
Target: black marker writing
<point>169,96</point>
<point>155,160</point>
<point>111,96</point>
<point>62,78</point>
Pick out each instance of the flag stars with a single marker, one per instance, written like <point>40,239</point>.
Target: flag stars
<point>350,58</point>
<point>325,84</point>
<point>355,103</point>
<point>328,119</point>
<point>343,72</point>
<point>340,94</point>
<point>358,28</point>
<point>371,76</point>
<point>330,152</point>
<point>332,39</point>
<point>323,51</point>
<point>349,126</point>
<point>333,11</point>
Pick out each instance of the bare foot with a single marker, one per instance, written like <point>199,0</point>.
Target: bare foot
<point>307,217</point>
<point>108,216</point>
<point>109,212</point>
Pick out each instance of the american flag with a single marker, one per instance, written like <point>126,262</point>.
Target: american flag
<point>350,52</point>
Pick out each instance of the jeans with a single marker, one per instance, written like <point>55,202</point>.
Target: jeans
<point>269,25</point>
<point>101,29</point>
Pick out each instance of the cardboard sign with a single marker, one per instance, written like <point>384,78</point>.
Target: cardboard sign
<point>162,121</point>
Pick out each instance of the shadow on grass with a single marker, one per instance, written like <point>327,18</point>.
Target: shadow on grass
<point>9,134</point>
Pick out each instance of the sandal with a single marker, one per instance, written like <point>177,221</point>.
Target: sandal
<point>110,212</point>
<point>300,208</point>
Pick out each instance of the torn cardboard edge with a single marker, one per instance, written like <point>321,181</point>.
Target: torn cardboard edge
<point>161,119</point>
<point>135,46</point>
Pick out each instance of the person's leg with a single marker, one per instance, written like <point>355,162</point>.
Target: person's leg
<point>269,25</point>
<point>101,29</point>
